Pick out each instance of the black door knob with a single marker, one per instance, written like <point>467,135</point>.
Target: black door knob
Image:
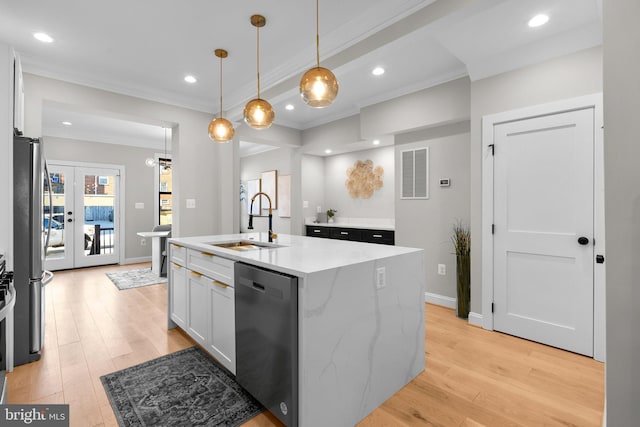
<point>69,220</point>
<point>583,240</point>
<point>69,213</point>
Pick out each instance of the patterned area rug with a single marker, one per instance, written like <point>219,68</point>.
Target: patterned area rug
<point>186,388</point>
<point>135,278</point>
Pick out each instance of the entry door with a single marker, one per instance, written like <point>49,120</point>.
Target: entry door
<point>544,227</point>
<point>86,203</point>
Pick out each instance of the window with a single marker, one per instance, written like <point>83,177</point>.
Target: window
<point>415,174</point>
<point>164,195</point>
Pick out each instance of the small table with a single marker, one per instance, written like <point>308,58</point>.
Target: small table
<point>156,250</point>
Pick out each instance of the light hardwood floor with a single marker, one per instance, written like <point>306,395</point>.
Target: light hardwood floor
<point>473,377</point>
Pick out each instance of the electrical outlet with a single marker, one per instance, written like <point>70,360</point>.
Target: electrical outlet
<point>143,242</point>
<point>305,203</point>
<point>318,209</point>
<point>442,269</point>
<point>381,277</point>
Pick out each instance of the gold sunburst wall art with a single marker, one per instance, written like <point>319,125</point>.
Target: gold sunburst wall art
<point>363,179</point>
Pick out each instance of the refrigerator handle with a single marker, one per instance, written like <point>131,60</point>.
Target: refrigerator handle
<point>48,178</point>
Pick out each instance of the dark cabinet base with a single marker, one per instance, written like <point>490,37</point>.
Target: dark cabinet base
<point>385,237</point>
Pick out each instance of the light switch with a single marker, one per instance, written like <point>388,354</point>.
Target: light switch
<point>305,204</point>
<point>319,209</point>
<point>191,203</point>
<point>139,205</point>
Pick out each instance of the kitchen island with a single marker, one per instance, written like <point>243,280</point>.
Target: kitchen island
<point>360,314</point>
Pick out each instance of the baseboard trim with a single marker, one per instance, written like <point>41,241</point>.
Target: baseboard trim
<point>475,319</point>
<point>137,260</point>
<point>439,300</point>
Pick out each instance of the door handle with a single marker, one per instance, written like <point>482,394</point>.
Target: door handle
<point>583,240</point>
<point>69,213</point>
<point>69,220</point>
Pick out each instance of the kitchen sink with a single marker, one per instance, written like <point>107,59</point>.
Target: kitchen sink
<point>245,245</point>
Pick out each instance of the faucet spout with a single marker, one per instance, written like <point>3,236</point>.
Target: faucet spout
<point>250,227</point>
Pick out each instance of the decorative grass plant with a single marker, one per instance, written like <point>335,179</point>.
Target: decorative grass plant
<point>462,243</point>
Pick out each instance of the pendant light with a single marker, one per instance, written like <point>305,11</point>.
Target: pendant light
<point>220,129</point>
<point>258,113</point>
<point>165,167</point>
<point>318,86</point>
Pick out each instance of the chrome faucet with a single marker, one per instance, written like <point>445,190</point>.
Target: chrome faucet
<point>272,235</point>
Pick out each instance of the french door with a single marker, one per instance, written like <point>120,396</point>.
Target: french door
<point>85,220</point>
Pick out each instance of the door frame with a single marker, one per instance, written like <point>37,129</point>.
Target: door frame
<point>594,101</point>
<point>121,208</point>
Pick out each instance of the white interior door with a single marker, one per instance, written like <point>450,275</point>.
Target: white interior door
<point>86,204</point>
<point>544,228</point>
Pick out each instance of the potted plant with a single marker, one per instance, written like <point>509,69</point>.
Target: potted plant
<point>330,214</point>
<point>462,244</point>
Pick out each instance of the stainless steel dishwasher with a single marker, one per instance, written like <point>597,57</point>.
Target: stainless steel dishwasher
<point>267,339</point>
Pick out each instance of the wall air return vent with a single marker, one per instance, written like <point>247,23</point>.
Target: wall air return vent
<point>415,174</point>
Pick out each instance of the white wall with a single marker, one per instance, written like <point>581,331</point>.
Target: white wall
<point>336,195</point>
<point>428,223</point>
<point>622,206</point>
<point>313,185</point>
<point>566,77</point>
<point>251,167</point>
<point>138,185</point>
<point>203,170</point>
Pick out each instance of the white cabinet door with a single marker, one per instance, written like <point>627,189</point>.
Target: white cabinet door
<point>198,310</point>
<point>222,329</point>
<point>178,300</point>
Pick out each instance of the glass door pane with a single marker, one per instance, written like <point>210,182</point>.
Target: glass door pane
<point>59,253</point>
<point>97,229</point>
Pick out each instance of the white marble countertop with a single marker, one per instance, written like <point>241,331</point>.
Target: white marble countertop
<point>295,255</point>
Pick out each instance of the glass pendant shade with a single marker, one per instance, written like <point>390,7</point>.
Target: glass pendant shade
<point>221,130</point>
<point>258,114</point>
<point>318,87</point>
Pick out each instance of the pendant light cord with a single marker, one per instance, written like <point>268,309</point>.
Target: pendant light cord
<point>258,57</point>
<point>220,115</point>
<point>317,38</point>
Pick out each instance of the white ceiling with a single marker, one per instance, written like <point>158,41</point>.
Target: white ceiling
<point>145,48</point>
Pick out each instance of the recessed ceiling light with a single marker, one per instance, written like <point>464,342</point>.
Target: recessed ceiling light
<point>538,20</point>
<point>378,71</point>
<point>327,151</point>
<point>45,38</point>
<point>67,123</point>
<point>190,79</point>
<point>289,107</point>
<point>376,141</point>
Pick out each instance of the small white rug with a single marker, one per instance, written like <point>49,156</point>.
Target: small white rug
<point>129,279</point>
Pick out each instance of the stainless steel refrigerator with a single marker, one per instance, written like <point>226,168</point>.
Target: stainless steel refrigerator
<point>29,235</point>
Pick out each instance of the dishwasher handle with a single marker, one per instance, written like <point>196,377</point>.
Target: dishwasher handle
<point>251,284</point>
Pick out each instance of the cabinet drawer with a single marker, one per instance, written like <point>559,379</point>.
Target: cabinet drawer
<point>385,237</point>
<point>346,234</point>
<point>211,265</point>
<point>314,231</point>
<point>178,254</point>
